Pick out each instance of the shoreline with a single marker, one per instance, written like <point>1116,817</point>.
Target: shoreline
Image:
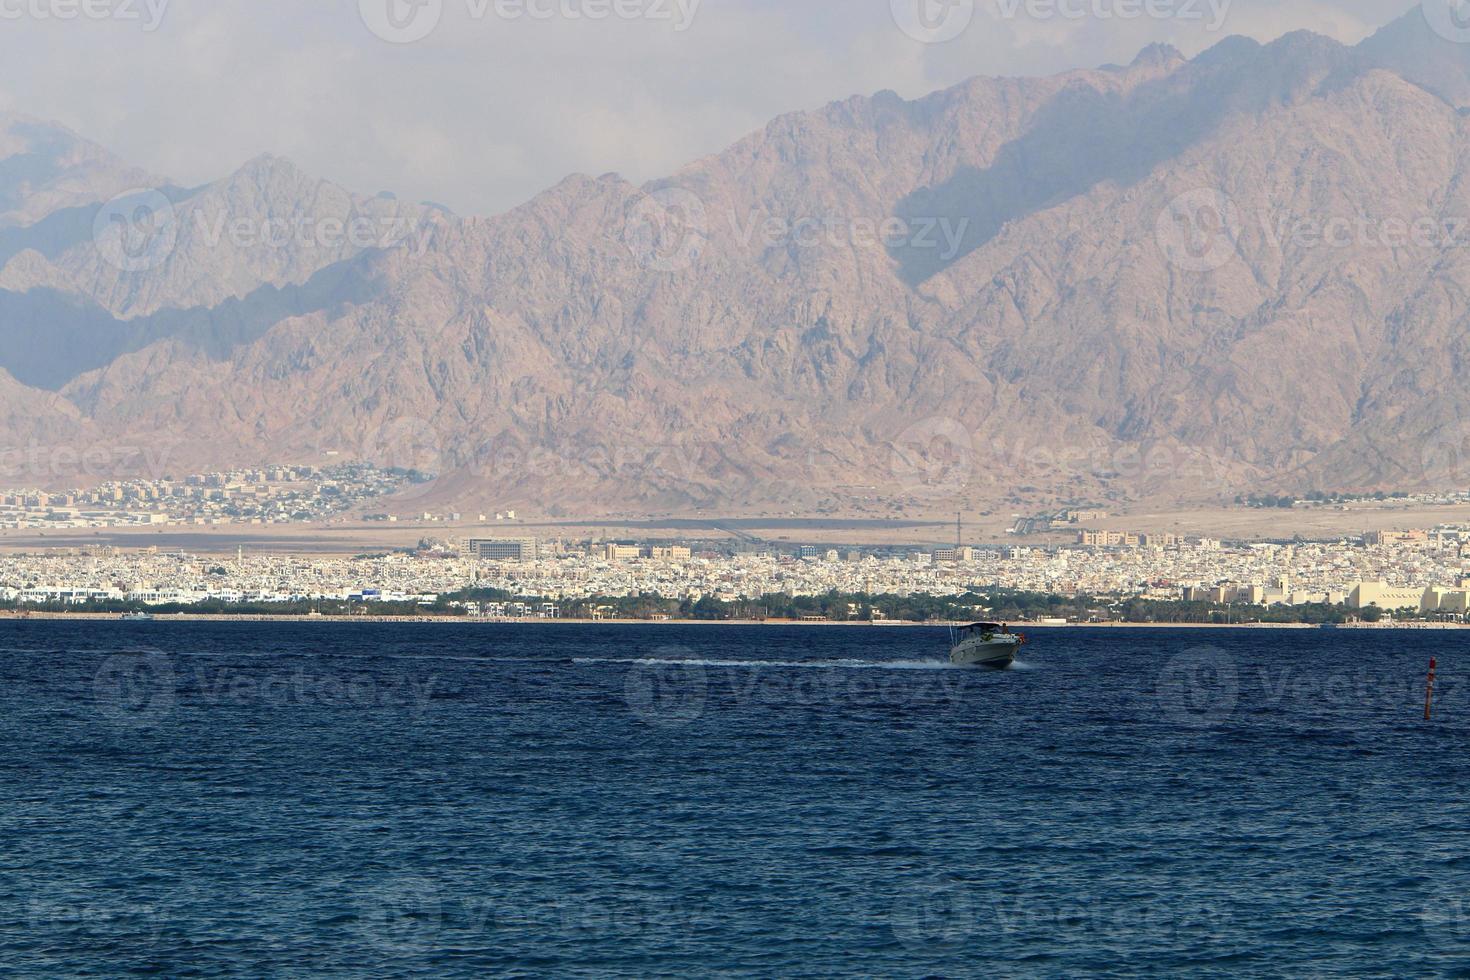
<point>15,617</point>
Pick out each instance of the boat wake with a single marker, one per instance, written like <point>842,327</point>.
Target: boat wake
<point>778,664</point>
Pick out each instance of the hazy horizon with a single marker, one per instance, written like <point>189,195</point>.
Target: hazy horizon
<point>490,108</point>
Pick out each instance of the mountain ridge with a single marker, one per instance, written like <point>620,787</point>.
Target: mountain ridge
<point>743,334</point>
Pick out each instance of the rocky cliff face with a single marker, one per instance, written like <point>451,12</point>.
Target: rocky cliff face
<point>1180,277</point>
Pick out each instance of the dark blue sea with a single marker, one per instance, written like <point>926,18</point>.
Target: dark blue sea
<point>323,800</point>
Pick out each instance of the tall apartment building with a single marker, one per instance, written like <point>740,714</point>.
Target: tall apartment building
<point>1161,541</point>
<point>1386,596</point>
<point>501,549</point>
<point>1108,539</point>
<point>1395,537</point>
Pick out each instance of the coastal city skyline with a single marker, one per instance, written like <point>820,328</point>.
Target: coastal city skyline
<point>1423,571</point>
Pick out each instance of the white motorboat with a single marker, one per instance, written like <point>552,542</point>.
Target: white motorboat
<point>985,645</point>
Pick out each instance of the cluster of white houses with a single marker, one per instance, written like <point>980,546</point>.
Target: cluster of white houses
<point>1361,596</point>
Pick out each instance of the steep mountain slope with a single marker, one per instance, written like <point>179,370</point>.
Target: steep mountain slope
<point>1424,53</point>
<point>217,266</point>
<point>48,441</point>
<point>46,168</point>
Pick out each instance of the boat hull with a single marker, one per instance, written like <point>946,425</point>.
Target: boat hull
<point>996,654</point>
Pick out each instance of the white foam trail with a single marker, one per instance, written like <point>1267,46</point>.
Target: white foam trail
<point>783,664</point>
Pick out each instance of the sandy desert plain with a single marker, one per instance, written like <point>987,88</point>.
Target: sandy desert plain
<point>930,529</point>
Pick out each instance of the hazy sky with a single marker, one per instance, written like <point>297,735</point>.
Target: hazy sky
<point>502,98</point>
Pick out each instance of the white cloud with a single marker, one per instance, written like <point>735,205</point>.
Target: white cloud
<point>485,112</point>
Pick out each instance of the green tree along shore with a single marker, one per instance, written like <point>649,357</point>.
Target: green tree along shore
<point>980,603</point>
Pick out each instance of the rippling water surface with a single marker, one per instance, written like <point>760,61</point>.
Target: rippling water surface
<point>465,801</point>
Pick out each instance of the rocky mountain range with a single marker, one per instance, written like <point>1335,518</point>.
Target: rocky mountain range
<point>1180,278</point>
